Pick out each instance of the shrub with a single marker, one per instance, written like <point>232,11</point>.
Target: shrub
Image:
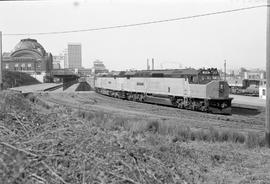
<point>237,137</point>
<point>136,126</point>
<point>153,126</point>
<point>214,134</point>
<point>253,140</point>
<point>184,133</point>
<point>224,136</point>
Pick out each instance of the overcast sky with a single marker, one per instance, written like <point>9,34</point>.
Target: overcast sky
<point>238,37</point>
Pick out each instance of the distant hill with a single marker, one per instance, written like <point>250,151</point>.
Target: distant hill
<point>14,79</point>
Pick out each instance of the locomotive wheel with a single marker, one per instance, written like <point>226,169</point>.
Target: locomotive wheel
<point>141,98</point>
<point>180,106</point>
<point>134,98</point>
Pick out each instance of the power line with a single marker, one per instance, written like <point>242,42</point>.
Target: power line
<point>138,24</point>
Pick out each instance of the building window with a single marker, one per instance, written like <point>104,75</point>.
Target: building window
<point>23,66</point>
<point>28,66</point>
<point>263,92</point>
<point>7,66</point>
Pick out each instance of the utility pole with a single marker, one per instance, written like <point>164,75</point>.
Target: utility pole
<point>1,80</point>
<point>267,119</point>
<point>225,69</point>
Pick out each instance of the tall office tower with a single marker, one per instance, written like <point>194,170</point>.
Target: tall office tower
<point>74,55</point>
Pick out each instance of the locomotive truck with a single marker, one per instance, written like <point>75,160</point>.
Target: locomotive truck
<point>199,90</point>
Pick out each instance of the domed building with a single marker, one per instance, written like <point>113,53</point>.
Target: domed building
<point>28,56</point>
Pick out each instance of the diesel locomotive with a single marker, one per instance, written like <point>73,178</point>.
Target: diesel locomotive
<point>199,90</point>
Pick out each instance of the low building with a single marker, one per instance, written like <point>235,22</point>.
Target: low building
<point>254,75</point>
<point>234,82</point>
<point>99,67</point>
<point>56,66</point>
<point>85,71</point>
<point>58,61</point>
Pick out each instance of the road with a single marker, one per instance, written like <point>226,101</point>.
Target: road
<point>248,101</point>
<point>35,87</point>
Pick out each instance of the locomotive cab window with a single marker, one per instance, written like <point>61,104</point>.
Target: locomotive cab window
<point>221,86</point>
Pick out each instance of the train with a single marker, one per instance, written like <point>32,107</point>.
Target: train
<point>192,89</point>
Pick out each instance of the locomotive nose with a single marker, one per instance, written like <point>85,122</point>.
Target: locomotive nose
<point>223,89</point>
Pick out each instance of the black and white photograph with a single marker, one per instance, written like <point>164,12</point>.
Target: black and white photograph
<point>134,92</point>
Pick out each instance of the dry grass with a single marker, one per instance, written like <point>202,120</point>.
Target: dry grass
<point>65,145</point>
<point>254,140</point>
<point>177,131</point>
<point>57,147</point>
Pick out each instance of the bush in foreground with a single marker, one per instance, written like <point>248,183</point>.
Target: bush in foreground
<point>177,131</point>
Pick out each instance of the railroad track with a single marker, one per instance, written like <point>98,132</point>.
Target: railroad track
<point>196,120</point>
<point>244,117</point>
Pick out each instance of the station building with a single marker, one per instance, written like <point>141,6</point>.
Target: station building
<point>30,57</point>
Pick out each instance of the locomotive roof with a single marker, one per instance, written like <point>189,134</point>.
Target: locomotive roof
<point>162,73</point>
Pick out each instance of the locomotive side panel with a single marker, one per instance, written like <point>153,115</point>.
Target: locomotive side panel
<point>213,90</point>
<point>166,86</point>
<point>119,84</point>
<point>198,91</point>
<point>108,83</point>
<point>97,83</point>
<point>137,85</point>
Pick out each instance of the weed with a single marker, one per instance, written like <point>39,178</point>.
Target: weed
<point>224,136</point>
<point>214,134</point>
<point>253,140</point>
<point>153,126</point>
<point>184,133</point>
<point>237,137</point>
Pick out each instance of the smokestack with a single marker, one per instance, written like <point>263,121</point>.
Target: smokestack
<point>225,69</point>
<point>148,67</point>
<point>153,64</point>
